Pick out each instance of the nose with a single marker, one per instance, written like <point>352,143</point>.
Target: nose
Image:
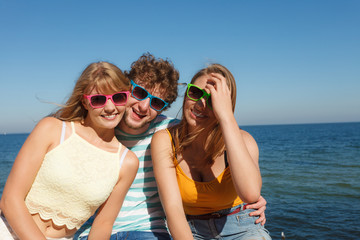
<point>201,102</point>
<point>109,106</point>
<point>144,104</point>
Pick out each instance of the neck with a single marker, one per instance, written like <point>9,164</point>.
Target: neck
<point>194,155</point>
<point>132,131</point>
<point>196,150</point>
<point>107,135</point>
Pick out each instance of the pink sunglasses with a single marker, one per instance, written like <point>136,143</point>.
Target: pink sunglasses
<point>99,100</point>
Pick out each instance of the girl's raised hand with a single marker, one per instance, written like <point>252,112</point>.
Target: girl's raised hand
<point>220,96</point>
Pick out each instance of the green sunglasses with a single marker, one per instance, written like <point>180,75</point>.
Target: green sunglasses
<point>196,93</point>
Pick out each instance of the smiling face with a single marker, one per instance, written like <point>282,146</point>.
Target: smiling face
<point>98,77</point>
<point>105,117</point>
<point>139,114</point>
<point>197,113</point>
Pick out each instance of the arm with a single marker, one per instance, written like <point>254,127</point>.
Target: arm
<point>241,148</point>
<point>165,175</point>
<point>104,220</point>
<point>27,163</point>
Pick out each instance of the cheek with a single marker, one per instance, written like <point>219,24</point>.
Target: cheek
<point>85,104</point>
<point>187,107</point>
<point>120,109</point>
<point>131,101</point>
<point>188,103</point>
<point>153,113</point>
<point>92,111</point>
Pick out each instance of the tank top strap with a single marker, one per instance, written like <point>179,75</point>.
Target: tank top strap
<point>73,127</point>
<point>63,130</point>
<point>123,154</point>
<point>226,161</point>
<point>173,146</point>
<point>120,147</point>
<point>171,139</point>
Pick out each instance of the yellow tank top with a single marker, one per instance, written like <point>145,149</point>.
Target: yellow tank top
<point>206,197</point>
<point>74,179</point>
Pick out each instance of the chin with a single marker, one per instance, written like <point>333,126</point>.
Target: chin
<point>111,124</point>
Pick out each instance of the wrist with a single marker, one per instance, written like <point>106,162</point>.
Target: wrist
<point>228,119</point>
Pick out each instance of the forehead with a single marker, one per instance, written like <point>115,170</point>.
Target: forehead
<point>102,89</point>
<point>201,81</point>
<point>105,85</point>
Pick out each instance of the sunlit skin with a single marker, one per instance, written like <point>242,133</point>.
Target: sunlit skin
<point>197,113</point>
<point>139,114</point>
<point>106,117</point>
<point>242,152</point>
<point>99,121</point>
<point>97,129</point>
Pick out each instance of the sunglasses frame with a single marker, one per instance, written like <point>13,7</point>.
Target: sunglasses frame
<point>109,96</point>
<point>147,96</point>
<point>208,95</point>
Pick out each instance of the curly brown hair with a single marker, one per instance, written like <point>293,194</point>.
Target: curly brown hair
<point>151,72</point>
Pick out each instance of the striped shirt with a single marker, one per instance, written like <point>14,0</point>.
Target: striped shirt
<point>141,210</point>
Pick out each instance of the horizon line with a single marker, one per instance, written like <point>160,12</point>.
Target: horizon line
<point>247,125</point>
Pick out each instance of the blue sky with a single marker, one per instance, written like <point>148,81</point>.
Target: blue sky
<point>294,61</point>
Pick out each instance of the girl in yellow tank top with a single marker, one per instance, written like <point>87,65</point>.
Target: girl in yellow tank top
<point>72,164</point>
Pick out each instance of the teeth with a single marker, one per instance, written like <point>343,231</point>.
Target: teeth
<point>141,115</point>
<point>198,114</point>
<point>110,116</point>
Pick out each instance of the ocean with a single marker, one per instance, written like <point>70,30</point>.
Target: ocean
<point>311,177</point>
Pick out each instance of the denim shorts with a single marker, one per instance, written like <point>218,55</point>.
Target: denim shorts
<point>238,226</point>
<point>137,235</point>
<point>140,235</point>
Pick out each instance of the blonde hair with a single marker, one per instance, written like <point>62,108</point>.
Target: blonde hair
<point>102,76</point>
<point>214,144</point>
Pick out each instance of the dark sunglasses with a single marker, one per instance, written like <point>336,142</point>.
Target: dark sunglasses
<point>99,100</point>
<point>139,93</point>
<point>196,93</point>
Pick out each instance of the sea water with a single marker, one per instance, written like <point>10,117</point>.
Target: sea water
<point>311,177</point>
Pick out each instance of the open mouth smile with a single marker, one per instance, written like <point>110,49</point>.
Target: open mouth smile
<point>109,117</point>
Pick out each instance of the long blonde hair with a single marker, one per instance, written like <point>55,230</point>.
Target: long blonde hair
<point>214,145</point>
<point>104,77</point>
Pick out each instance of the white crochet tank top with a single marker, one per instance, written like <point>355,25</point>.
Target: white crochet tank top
<point>74,179</point>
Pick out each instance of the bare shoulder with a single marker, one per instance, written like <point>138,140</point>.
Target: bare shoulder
<point>161,137</point>
<point>250,144</point>
<point>129,167</point>
<point>49,122</point>
<point>44,137</point>
<point>47,129</point>
<point>161,133</point>
<point>247,137</point>
<point>131,160</point>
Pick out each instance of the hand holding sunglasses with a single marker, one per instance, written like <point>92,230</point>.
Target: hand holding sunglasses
<point>99,100</point>
<point>221,96</point>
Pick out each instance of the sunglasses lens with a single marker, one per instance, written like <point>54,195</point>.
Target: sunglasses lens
<point>195,93</point>
<point>157,103</point>
<point>98,100</point>
<point>119,98</point>
<point>139,93</point>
